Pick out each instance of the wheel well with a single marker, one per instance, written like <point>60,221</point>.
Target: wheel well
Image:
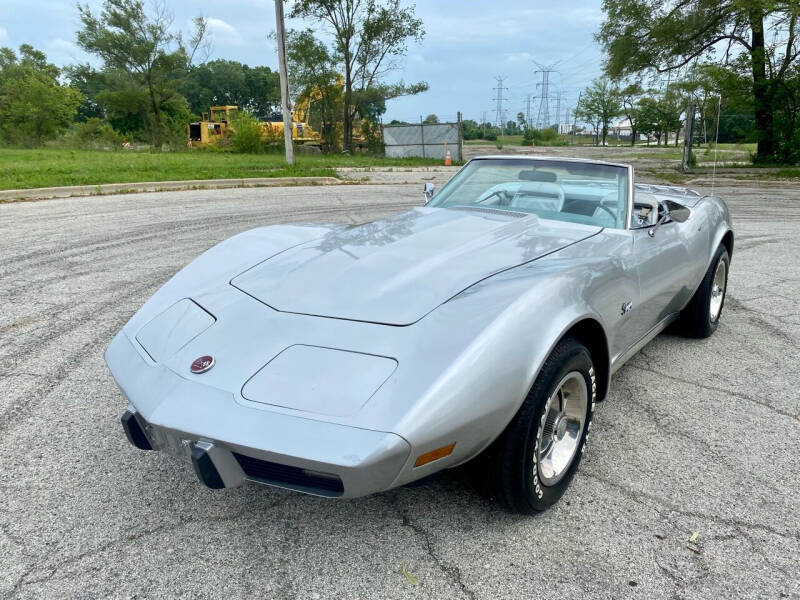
<point>727,241</point>
<point>591,334</point>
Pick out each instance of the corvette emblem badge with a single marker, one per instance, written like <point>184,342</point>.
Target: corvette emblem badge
<point>202,364</point>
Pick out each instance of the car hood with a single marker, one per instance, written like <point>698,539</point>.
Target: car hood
<point>396,270</point>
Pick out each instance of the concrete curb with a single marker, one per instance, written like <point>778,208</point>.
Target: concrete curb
<point>159,186</point>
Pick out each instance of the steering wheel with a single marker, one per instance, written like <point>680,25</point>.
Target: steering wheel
<point>498,193</point>
<point>609,211</point>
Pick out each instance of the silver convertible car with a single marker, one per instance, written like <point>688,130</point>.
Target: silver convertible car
<point>346,360</point>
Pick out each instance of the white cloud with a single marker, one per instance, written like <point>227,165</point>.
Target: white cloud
<point>525,57</point>
<point>223,32</point>
<point>3,34</point>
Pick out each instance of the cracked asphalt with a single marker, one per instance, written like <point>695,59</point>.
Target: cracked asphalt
<point>696,436</point>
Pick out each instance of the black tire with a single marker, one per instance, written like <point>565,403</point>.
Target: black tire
<point>511,468</point>
<point>695,319</point>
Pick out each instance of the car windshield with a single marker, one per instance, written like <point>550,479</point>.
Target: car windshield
<point>578,192</point>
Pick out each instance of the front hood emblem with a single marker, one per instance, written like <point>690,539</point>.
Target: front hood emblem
<point>202,364</point>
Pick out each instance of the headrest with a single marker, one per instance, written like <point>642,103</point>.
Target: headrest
<point>534,175</point>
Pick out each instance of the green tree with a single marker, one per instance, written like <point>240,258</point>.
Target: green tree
<point>648,118</point>
<point>315,84</point>
<point>511,128</point>
<point>629,97</point>
<point>670,108</point>
<point>143,62</point>
<point>369,36</point>
<point>666,35</point>
<point>34,105</point>
<point>431,119</point>
<point>599,104</point>
<point>227,82</point>
<point>88,82</point>
<point>470,129</point>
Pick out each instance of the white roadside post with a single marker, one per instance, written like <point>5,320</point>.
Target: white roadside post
<point>286,109</point>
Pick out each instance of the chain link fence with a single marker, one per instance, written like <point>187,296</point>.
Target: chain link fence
<point>428,140</point>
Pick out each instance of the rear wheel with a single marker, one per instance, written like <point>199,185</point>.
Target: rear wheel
<point>701,316</point>
<point>534,460</point>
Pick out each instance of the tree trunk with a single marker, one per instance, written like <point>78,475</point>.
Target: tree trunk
<point>348,100</point>
<point>156,139</point>
<point>765,133</point>
<point>633,135</point>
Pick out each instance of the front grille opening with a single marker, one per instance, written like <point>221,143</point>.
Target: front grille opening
<point>295,478</point>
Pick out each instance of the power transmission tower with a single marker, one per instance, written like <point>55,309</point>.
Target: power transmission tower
<point>528,111</point>
<point>559,95</point>
<point>543,116</point>
<point>499,100</point>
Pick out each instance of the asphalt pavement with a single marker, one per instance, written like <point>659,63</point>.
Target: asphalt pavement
<point>690,485</point>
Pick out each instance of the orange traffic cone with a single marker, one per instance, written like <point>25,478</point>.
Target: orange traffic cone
<point>447,160</point>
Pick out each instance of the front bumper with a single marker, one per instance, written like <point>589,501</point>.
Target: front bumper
<point>229,443</point>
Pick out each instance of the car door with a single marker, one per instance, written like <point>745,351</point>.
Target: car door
<point>666,269</point>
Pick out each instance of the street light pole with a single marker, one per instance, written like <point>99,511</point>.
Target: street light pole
<point>286,109</point>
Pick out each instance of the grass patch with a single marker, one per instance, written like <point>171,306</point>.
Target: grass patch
<point>506,140</point>
<point>666,176</point>
<point>45,167</point>
<point>664,154</point>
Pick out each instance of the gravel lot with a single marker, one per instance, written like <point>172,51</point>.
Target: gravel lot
<point>696,436</point>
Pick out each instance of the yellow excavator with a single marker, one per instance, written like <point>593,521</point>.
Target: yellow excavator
<point>214,126</point>
<point>217,126</point>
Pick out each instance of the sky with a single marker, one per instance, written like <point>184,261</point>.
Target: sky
<point>467,45</point>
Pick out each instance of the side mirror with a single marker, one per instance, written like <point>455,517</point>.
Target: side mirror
<point>678,212</point>
<point>672,211</point>
<point>428,191</point>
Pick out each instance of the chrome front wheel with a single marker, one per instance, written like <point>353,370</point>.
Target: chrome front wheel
<point>718,290</point>
<point>563,420</point>
<point>532,463</point>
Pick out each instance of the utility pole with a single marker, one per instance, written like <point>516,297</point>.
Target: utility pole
<point>558,112</point>
<point>543,117</point>
<point>559,96</point>
<point>286,107</point>
<point>499,100</point>
<point>575,116</point>
<point>688,136</point>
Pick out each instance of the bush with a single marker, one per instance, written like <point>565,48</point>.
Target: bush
<point>543,136</point>
<point>248,134</point>
<point>93,134</point>
<point>371,132</point>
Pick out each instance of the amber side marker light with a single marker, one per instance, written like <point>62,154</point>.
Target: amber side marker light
<point>424,459</point>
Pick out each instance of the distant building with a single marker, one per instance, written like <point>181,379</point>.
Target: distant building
<point>621,128</point>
